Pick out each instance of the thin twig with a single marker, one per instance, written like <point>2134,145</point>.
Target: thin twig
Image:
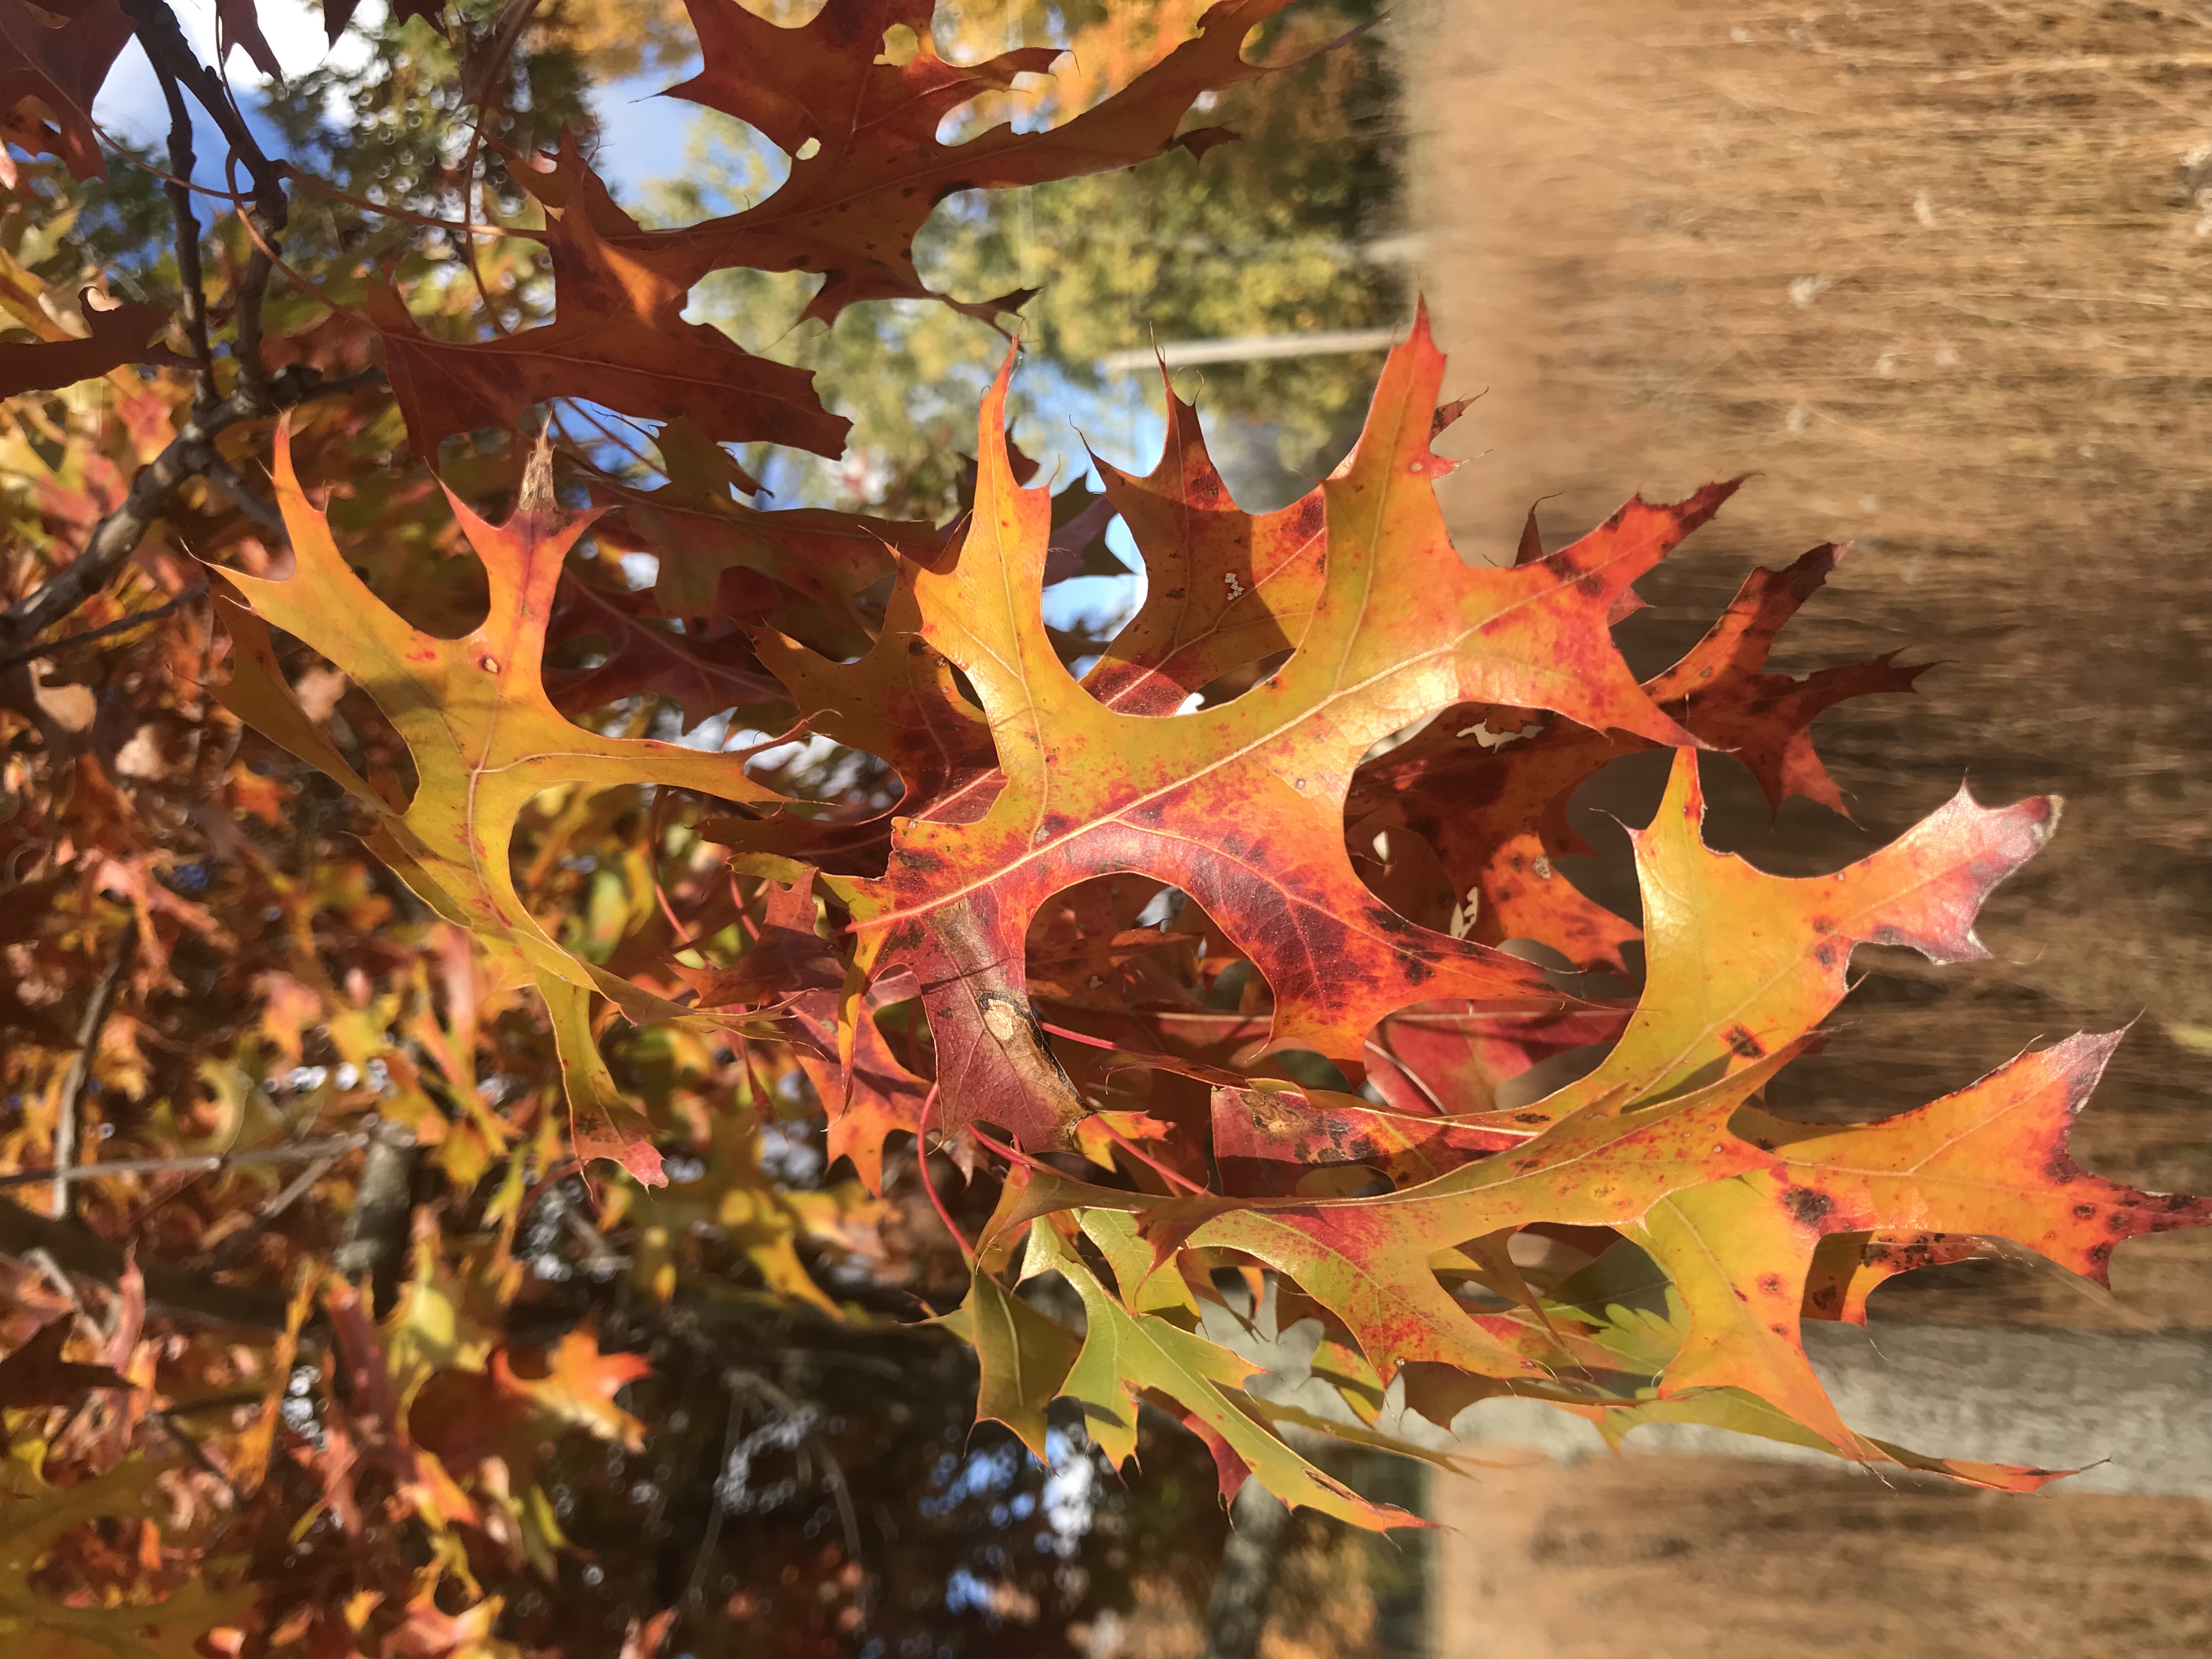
<point>329,1147</point>
<point>89,1026</point>
<point>181,162</point>
<point>1078,1036</point>
<point>196,1452</point>
<point>238,198</point>
<point>173,56</point>
<point>120,625</point>
<point>1173,1177</point>
<point>297,1189</point>
<point>76,1249</point>
<point>691,1596</point>
<point>251,501</point>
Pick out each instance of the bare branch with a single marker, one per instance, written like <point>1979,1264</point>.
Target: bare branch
<point>375,1241</point>
<point>76,1248</point>
<point>172,55</point>
<point>181,162</point>
<point>120,625</point>
<point>239,1242</point>
<point>251,501</point>
<point>89,1026</point>
<point>323,1150</point>
<point>116,536</point>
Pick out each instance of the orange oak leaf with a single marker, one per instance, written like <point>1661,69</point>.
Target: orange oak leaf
<point>1266,1139</point>
<point>1847,1268</point>
<point>1223,587</point>
<point>785,956</point>
<point>1441,1059</point>
<point>1368,1259</point>
<point>619,338</point>
<point>486,737</point>
<point>1740,962</point>
<point>577,1386</point>
<point>870,1099</point>
<point>1989,1161</point>
<point>861,127</point>
<point>1239,805</point>
<point>1731,1203</point>
<point>463,1417</point>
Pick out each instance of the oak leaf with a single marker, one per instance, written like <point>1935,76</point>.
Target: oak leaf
<point>619,338</point>
<point>120,334</point>
<point>61,66</point>
<point>861,127</point>
<point>1492,802</point>
<point>34,1516</point>
<point>1240,805</point>
<point>486,737</point>
<point>1023,1357</point>
<point>1126,1355</point>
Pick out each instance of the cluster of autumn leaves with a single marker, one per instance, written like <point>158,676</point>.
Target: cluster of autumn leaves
<point>1122,953</point>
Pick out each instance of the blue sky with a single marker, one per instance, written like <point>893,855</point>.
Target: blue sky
<point>644,134</point>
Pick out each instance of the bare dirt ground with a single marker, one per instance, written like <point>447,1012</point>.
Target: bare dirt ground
<point>1941,276</point>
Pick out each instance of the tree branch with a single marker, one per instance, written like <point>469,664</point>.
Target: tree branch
<point>89,1026</point>
<point>120,625</point>
<point>172,56</point>
<point>76,1248</point>
<point>375,1241</point>
<point>311,1152</point>
<point>251,501</point>
<point>227,1252</point>
<point>116,536</point>
<point>181,162</point>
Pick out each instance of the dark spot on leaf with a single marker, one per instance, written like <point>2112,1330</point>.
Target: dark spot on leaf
<point>1742,1042</point>
<point>1808,1207</point>
<point>2084,1211</point>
